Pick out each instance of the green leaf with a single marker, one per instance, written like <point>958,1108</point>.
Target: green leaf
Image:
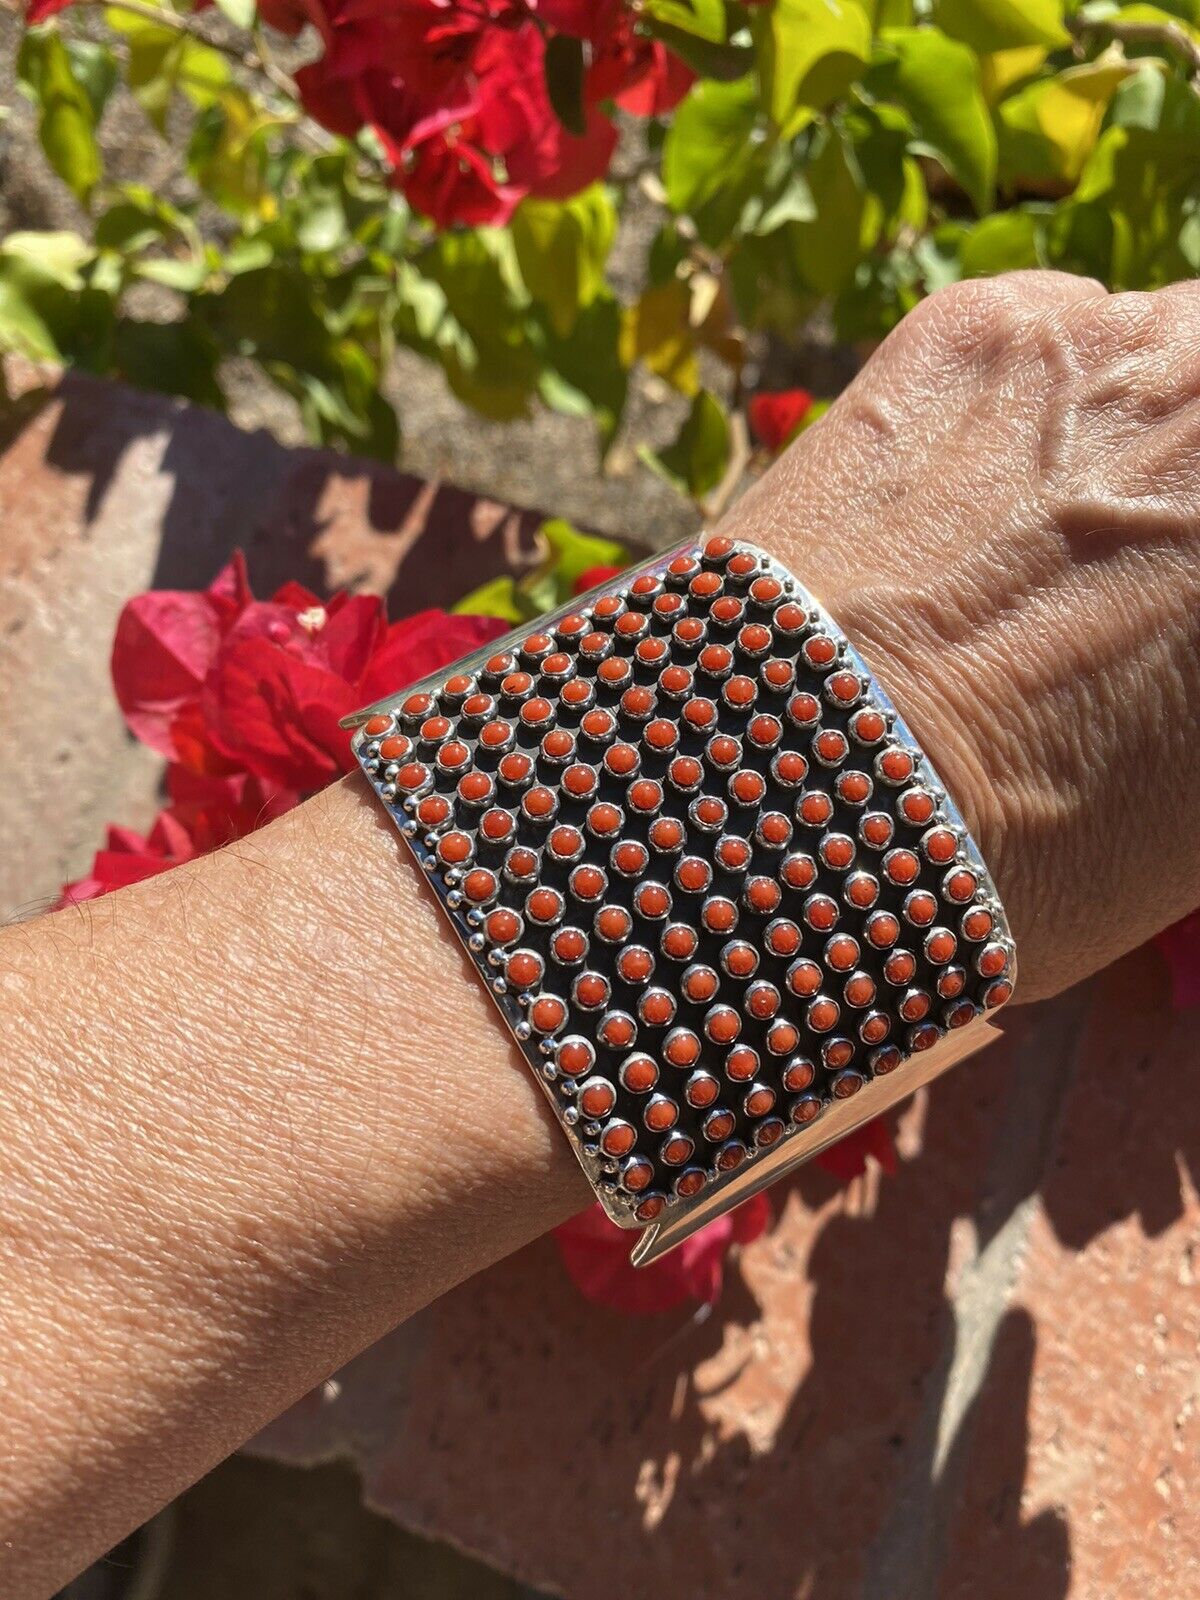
<point>95,70</point>
<point>938,255</point>
<point>1162,106</point>
<point>565,68</point>
<point>275,315</point>
<point>1048,129</point>
<point>482,336</point>
<point>658,332</point>
<point>880,138</point>
<point>709,133</point>
<point>495,598</point>
<point>573,553</point>
<point>228,154</point>
<point>936,81</point>
<point>568,555</point>
<point>1123,222</point>
<point>827,250</point>
<point>783,196</point>
<point>562,248</point>
<point>1186,12</point>
<point>696,461</point>
<point>172,357</point>
<point>988,25</point>
<point>809,53</point>
<point>1005,242</point>
<point>725,60</point>
<point>704,19</point>
<point>66,109</point>
<point>883,290</point>
<point>41,287</point>
<point>163,61</point>
<point>320,221</point>
<point>139,222</point>
<point>56,257</point>
<point>584,372</point>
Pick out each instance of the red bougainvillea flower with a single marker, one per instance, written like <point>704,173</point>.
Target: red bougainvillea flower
<point>224,684</point>
<point>595,1253</point>
<point>456,91</point>
<point>452,181</point>
<point>776,414</point>
<point>244,697</point>
<point>218,808</point>
<point>165,646</point>
<point>638,72</point>
<point>593,576</point>
<point>847,1158</point>
<point>1180,947</point>
<point>127,858</point>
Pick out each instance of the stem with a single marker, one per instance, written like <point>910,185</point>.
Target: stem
<point>1168,35</point>
<point>252,60</point>
<point>715,506</point>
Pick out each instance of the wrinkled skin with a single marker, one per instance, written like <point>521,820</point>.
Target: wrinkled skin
<point>1004,511</point>
<point>252,1067</point>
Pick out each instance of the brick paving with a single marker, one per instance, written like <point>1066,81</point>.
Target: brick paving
<point>978,1377</point>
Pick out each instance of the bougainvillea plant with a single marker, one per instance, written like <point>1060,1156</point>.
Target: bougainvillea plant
<point>242,698</point>
<point>452,176</point>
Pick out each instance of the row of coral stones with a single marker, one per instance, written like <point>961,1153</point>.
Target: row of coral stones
<point>638,693</point>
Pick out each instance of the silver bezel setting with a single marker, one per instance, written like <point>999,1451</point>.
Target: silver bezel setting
<point>735,1159</point>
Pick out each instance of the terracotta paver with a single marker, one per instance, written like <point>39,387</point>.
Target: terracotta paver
<point>977,1378</point>
<point>758,1453</point>
<point>1089,1487</point>
<point>105,491</point>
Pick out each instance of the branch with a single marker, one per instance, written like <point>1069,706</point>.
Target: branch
<point>252,60</point>
<point>1168,35</point>
<point>715,506</point>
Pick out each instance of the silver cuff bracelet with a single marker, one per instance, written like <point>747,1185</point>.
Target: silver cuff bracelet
<point>710,879</point>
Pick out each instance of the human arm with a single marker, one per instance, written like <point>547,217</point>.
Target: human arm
<point>240,1133</point>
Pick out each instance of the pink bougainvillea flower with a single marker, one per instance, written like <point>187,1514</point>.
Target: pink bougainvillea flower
<point>776,414</point>
<point>1180,947</point>
<point>595,1253</point>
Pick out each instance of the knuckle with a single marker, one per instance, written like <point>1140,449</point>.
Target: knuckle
<point>1129,324</point>
<point>972,306</point>
<point>980,320</point>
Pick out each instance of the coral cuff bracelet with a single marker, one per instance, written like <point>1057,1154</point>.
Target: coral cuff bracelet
<point>709,877</point>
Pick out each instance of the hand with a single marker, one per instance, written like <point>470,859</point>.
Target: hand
<point>1003,510</point>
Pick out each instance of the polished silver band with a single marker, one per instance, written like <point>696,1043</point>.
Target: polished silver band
<point>710,879</point>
